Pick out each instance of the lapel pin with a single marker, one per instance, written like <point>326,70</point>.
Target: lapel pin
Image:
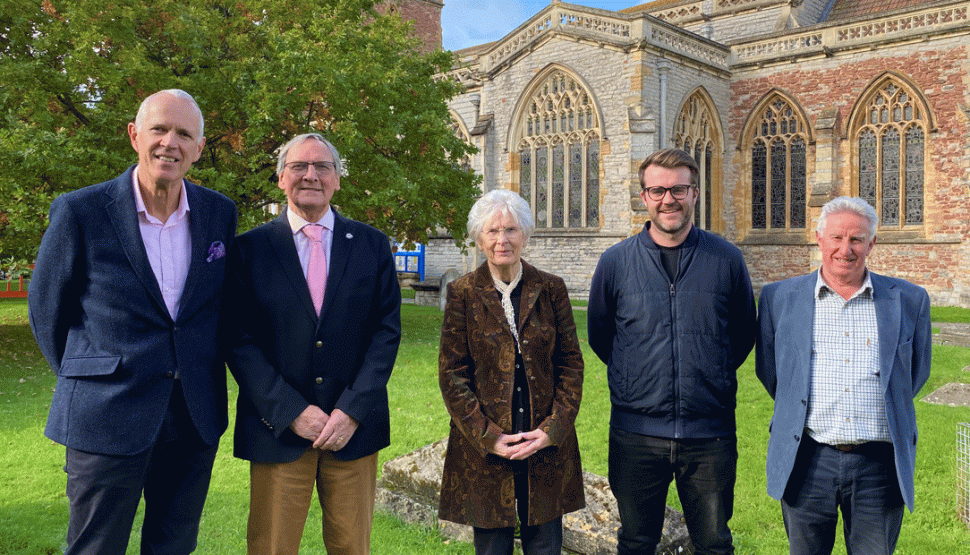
<point>349,236</point>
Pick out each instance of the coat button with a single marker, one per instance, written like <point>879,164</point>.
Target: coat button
<point>319,381</point>
<point>319,344</point>
<point>169,374</point>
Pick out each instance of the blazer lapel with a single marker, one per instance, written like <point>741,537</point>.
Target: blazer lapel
<point>124,218</point>
<point>281,242</point>
<point>801,314</point>
<point>198,208</point>
<point>888,309</point>
<point>341,249</point>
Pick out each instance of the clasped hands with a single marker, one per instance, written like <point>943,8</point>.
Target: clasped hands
<point>327,432</point>
<point>521,446</point>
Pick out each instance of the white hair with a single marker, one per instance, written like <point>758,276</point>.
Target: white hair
<point>854,205</point>
<point>500,201</point>
<point>299,139</point>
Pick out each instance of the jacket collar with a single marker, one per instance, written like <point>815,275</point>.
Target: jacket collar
<point>281,238</point>
<point>532,286</point>
<point>647,241</point>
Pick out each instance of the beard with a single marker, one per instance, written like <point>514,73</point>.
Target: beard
<point>684,217</point>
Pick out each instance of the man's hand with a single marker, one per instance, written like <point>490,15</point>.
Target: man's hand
<point>337,432</point>
<point>310,423</point>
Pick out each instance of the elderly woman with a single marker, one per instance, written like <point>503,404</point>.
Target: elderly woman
<point>511,374</point>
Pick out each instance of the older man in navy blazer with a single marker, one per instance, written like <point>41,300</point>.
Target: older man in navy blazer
<point>843,352</point>
<point>318,332</point>
<point>124,304</point>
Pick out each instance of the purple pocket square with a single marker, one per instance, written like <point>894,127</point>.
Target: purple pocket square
<point>216,251</point>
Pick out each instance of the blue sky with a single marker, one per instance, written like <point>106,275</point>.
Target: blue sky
<point>471,22</point>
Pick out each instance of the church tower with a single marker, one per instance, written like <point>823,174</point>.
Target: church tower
<point>426,15</point>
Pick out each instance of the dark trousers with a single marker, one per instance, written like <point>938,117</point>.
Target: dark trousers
<point>542,539</point>
<point>104,491</point>
<point>640,470</point>
<point>862,483</point>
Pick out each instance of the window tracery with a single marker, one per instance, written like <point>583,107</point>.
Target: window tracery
<point>891,146</point>
<point>778,167</point>
<point>559,154</point>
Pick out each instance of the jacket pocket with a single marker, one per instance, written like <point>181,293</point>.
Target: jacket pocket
<point>89,367</point>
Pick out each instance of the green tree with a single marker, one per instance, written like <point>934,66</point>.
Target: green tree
<point>73,73</point>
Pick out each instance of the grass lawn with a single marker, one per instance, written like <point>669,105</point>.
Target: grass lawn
<point>33,507</point>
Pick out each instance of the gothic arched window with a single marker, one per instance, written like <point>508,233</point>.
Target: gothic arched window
<point>697,134</point>
<point>461,132</point>
<point>559,148</point>
<point>891,141</point>
<point>778,164</point>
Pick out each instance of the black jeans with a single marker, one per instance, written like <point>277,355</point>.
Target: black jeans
<point>640,470</point>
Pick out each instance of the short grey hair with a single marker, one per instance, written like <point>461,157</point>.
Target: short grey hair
<point>854,205</point>
<point>177,93</point>
<point>299,139</point>
<point>500,201</point>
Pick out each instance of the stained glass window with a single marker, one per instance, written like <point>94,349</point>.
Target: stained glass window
<point>891,145</point>
<point>778,166</point>
<point>559,154</point>
<point>696,134</point>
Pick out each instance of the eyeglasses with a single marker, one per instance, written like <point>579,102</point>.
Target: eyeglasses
<point>679,192</point>
<point>494,233</point>
<point>300,168</point>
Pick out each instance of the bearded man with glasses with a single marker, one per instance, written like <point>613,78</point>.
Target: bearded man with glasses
<point>671,313</point>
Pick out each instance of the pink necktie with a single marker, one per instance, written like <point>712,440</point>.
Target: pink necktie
<point>316,275</point>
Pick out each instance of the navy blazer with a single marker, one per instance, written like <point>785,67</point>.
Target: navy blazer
<point>783,364</point>
<point>286,358</point>
<point>101,322</point>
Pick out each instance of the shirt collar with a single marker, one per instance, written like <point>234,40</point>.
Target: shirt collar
<point>183,207</point>
<point>822,288</point>
<point>297,222</point>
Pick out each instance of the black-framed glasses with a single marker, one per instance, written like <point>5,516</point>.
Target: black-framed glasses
<point>679,192</point>
<point>300,168</point>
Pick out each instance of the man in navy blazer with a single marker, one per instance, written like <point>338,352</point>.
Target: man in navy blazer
<point>843,352</point>
<point>124,304</point>
<point>312,407</point>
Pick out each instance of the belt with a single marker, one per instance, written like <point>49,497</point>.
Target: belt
<point>850,447</point>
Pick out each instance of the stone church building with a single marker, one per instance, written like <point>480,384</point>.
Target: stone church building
<point>784,103</point>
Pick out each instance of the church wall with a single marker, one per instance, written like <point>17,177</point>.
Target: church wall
<point>725,29</point>
<point>939,259</point>
<point>426,17</point>
<point>612,79</point>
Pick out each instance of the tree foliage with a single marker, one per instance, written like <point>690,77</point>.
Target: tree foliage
<point>73,73</point>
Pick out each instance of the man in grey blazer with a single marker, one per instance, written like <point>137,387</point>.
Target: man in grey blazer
<point>843,351</point>
<point>125,303</point>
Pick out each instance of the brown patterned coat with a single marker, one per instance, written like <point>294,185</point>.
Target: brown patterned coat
<point>476,371</point>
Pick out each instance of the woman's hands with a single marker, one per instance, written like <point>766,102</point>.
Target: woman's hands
<point>517,447</point>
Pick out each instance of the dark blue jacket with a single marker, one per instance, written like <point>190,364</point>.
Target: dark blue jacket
<point>672,350</point>
<point>285,357</point>
<point>99,317</point>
